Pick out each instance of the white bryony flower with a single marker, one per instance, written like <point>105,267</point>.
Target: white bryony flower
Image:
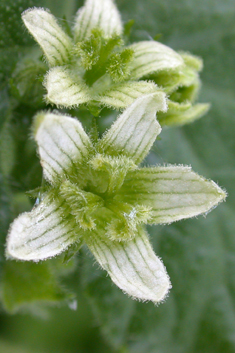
<point>93,67</point>
<point>98,195</point>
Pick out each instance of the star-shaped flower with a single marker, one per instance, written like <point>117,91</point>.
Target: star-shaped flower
<point>98,195</point>
<point>92,66</point>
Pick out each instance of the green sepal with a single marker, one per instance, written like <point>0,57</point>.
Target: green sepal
<point>186,93</point>
<point>71,252</point>
<point>171,80</point>
<point>37,192</point>
<point>128,28</point>
<point>94,108</point>
<point>94,133</point>
<point>66,27</point>
<point>182,113</point>
<point>157,37</point>
<point>182,84</point>
<point>192,61</point>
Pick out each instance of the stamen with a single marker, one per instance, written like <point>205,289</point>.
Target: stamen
<point>97,57</point>
<point>82,204</point>
<point>127,218</point>
<point>117,168</point>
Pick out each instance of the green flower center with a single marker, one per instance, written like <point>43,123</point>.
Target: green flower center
<point>98,203</point>
<point>100,56</point>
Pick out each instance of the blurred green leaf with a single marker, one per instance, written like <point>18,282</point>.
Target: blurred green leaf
<point>5,212</point>
<point>25,283</point>
<point>12,348</point>
<point>4,106</point>
<point>14,41</point>
<point>7,149</point>
<point>12,31</point>
<point>26,82</point>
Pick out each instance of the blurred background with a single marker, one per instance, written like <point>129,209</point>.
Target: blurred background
<point>199,254</point>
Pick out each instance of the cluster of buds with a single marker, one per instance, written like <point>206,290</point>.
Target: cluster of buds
<point>96,191</point>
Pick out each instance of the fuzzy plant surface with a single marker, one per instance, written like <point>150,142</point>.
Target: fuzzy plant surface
<point>99,196</point>
<point>102,185</point>
<point>93,64</point>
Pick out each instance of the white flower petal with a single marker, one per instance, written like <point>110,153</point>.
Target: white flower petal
<point>133,266</point>
<point>42,233</point>
<point>173,192</point>
<point>49,35</point>
<point>62,143</point>
<point>97,13</point>
<point>123,94</point>
<point>134,132</point>
<point>151,57</point>
<point>65,89</point>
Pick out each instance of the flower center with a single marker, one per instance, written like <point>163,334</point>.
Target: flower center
<point>100,56</point>
<point>99,204</point>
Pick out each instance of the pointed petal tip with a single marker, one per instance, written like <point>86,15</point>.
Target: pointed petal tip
<point>160,97</point>
<point>15,249</point>
<point>45,29</point>
<point>221,193</point>
<point>28,12</point>
<point>64,89</point>
<point>102,14</point>
<point>133,267</point>
<point>216,194</point>
<point>173,192</point>
<point>42,233</point>
<point>62,143</point>
<point>152,57</point>
<point>159,294</point>
<point>46,117</point>
<point>136,129</point>
<point>37,121</point>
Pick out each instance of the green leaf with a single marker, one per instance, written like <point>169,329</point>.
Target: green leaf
<point>4,106</point>
<point>13,40</point>
<point>25,283</point>
<point>12,33</point>
<point>7,347</point>
<point>7,149</point>
<point>26,82</point>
